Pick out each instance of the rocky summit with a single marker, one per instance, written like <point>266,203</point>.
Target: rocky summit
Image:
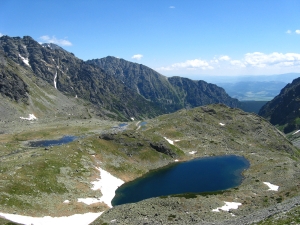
<point>171,93</point>
<point>70,76</point>
<point>117,88</point>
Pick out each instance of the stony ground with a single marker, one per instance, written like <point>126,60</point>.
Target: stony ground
<point>271,156</point>
<point>35,181</point>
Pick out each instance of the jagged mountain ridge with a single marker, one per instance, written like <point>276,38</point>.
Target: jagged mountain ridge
<point>75,78</point>
<point>173,93</point>
<point>122,88</point>
<point>284,108</point>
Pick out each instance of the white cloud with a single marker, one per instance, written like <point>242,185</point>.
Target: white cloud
<point>250,63</point>
<point>1,34</point>
<point>275,59</point>
<point>172,7</point>
<point>137,56</point>
<point>189,65</point>
<point>288,32</point>
<point>54,40</point>
<point>297,31</point>
<point>224,58</point>
<point>237,63</point>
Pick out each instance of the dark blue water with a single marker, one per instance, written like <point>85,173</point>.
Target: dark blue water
<point>122,124</point>
<point>200,175</point>
<point>47,143</point>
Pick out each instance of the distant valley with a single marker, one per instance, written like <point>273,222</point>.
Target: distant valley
<point>253,90</point>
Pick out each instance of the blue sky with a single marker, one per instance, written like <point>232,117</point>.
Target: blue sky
<point>186,38</point>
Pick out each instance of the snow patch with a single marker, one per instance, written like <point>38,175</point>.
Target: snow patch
<point>66,201</point>
<point>272,187</point>
<point>89,201</point>
<point>30,117</point>
<point>192,152</point>
<point>222,124</point>
<point>170,141</point>
<point>296,132</point>
<point>25,60</point>
<point>55,76</point>
<point>76,219</point>
<point>228,206</point>
<point>132,118</point>
<point>107,184</point>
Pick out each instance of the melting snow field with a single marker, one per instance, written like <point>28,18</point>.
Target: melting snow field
<point>25,60</point>
<point>272,187</point>
<point>107,184</point>
<point>228,206</point>
<point>296,132</point>
<point>76,219</point>
<point>170,141</point>
<point>31,117</point>
<point>55,76</point>
<point>192,152</point>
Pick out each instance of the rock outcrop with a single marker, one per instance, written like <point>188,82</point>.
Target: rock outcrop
<point>75,78</point>
<point>170,93</point>
<point>284,110</point>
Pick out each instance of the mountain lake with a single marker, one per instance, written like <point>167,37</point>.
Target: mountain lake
<point>209,174</point>
<point>47,143</point>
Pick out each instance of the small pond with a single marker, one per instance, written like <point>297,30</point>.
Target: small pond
<point>208,174</point>
<point>143,123</point>
<point>47,143</point>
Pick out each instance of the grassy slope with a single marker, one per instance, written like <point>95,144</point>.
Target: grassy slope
<point>35,181</point>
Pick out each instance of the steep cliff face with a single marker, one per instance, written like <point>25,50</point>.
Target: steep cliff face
<point>171,93</point>
<point>73,77</point>
<point>198,93</point>
<point>142,79</point>
<point>11,85</point>
<point>284,108</point>
<point>120,88</point>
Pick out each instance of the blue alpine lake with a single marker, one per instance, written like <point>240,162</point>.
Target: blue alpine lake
<point>207,174</point>
<point>47,143</point>
<point>123,124</point>
<point>143,123</point>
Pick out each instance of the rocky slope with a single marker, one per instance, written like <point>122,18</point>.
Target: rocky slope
<point>197,93</point>
<point>283,110</point>
<point>171,93</point>
<point>70,76</point>
<point>35,181</point>
<point>11,85</point>
<point>211,130</point>
<point>117,88</point>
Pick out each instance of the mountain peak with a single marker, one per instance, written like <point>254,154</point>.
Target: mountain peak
<point>52,46</point>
